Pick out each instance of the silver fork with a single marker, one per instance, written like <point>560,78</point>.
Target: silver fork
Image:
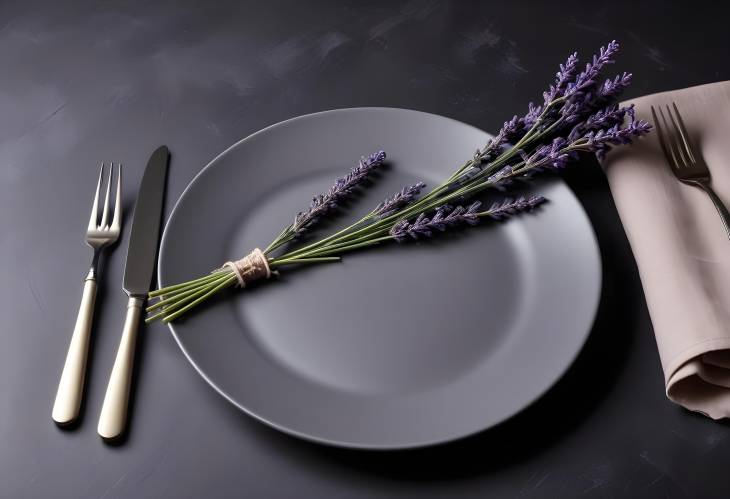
<point>687,164</point>
<point>98,235</point>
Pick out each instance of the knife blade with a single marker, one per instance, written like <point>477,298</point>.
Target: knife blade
<point>138,271</point>
<point>146,225</point>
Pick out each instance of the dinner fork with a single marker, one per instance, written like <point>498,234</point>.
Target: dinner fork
<point>687,164</point>
<point>99,235</point>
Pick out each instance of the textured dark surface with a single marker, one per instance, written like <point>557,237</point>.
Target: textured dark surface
<point>88,82</point>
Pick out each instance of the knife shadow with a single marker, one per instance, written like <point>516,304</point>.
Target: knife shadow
<point>549,419</point>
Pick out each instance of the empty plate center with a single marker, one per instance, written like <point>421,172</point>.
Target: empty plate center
<point>354,325</point>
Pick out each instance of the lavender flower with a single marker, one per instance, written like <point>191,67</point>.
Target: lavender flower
<point>511,131</point>
<point>598,139</point>
<point>444,218</point>
<point>586,80</point>
<point>608,117</point>
<point>563,79</point>
<point>600,142</point>
<point>343,187</point>
<point>605,118</point>
<point>400,199</point>
<point>589,101</point>
<point>501,179</point>
<point>533,113</point>
<point>514,129</point>
<point>552,155</point>
<point>611,88</point>
<point>583,96</point>
<point>508,207</point>
<point>567,71</point>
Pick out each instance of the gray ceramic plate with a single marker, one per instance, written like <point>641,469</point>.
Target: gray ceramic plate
<point>401,346</point>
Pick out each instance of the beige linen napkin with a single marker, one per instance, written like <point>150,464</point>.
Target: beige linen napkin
<point>681,248</point>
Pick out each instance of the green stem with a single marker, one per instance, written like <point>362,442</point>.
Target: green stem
<point>351,246</point>
<point>169,300</point>
<point>228,282</point>
<point>277,262</point>
<point>332,236</point>
<point>277,240</point>
<point>187,284</point>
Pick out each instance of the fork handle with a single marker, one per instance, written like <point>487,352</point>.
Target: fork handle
<point>113,418</point>
<point>71,386</point>
<point>719,205</point>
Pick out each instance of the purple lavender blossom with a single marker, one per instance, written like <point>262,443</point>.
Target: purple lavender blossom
<point>444,218</point>
<point>509,207</point>
<point>608,117</point>
<point>563,79</point>
<point>590,100</point>
<point>514,129</point>
<point>343,187</point>
<point>600,141</point>
<point>552,155</point>
<point>586,80</point>
<point>604,118</point>
<point>567,71</point>
<point>611,88</point>
<point>400,199</point>
<point>533,113</point>
<point>579,114</point>
<point>500,180</point>
<point>598,138</point>
<point>583,95</point>
<point>511,131</point>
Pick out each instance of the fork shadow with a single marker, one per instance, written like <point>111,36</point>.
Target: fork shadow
<point>567,405</point>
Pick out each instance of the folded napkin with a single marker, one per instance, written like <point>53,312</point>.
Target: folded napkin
<point>681,248</point>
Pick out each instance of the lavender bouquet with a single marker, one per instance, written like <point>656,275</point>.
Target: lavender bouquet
<point>578,114</point>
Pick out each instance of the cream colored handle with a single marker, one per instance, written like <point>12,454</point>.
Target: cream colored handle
<point>113,417</point>
<point>71,386</point>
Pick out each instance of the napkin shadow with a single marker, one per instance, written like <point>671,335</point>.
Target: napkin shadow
<point>558,412</point>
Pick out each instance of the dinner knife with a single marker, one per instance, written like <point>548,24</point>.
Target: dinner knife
<point>138,272</point>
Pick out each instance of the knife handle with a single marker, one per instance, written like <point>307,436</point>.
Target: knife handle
<point>113,418</point>
<point>71,386</point>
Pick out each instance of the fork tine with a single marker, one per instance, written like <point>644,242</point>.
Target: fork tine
<point>678,139</point>
<point>662,138</point>
<point>94,209</point>
<point>683,133</point>
<point>669,136</point>
<point>117,220</point>
<point>105,212</point>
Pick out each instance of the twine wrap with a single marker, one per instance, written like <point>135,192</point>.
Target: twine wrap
<point>250,268</point>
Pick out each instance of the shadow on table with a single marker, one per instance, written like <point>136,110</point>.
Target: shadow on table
<point>555,414</point>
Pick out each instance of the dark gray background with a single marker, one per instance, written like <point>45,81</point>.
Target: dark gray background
<point>108,81</point>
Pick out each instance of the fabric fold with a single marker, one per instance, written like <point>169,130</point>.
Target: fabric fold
<point>680,246</point>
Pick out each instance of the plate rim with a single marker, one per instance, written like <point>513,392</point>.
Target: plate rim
<point>360,445</point>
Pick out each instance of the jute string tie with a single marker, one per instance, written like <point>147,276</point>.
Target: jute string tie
<point>250,268</point>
